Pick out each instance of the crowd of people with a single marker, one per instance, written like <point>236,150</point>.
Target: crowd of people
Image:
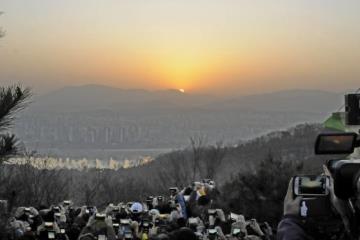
<point>186,214</point>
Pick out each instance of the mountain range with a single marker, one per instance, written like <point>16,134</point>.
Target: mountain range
<point>99,97</point>
<point>72,120</point>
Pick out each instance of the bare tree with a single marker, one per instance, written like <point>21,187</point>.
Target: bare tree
<point>197,144</point>
<point>89,185</point>
<point>212,160</point>
<point>41,183</point>
<point>177,171</point>
<point>252,192</point>
<point>34,182</point>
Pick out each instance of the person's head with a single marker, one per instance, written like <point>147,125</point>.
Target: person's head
<point>187,191</point>
<point>181,222</point>
<point>162,236</point>
<point>185,233</point>
<point>47,215</point>
<point>136,210</point>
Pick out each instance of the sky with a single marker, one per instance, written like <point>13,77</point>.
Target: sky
<point>223,47</point>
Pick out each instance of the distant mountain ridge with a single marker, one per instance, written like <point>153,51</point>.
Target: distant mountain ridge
<point>96,97</point>
<point>99,97</point>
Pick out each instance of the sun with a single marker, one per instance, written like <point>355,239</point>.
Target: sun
<point>182,90</point>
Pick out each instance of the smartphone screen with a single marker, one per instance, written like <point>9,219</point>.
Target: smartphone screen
<point>212,231</point>
<point>101,237</point>
<point>51,235</point>
<point>315,207</point>
<point>311,185</point>
<point>128,236</point>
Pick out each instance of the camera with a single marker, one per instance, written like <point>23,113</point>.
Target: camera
<point>145,225</point>
<point>56,209</point>
<point>193,221</point>
<point>344,172</point>
<point>209,182</point>
<point>342,179</point>
<point>90,210</point>
<point>129,204</point>
<point>57,216</point>
<point>212,233</point>
<point>49,225</point>
<point>149,200</point>
<point>173,191</point>
<point>48,232</point>
<point>344,175</point>
<point>100,216</point>
<point>116,227</point>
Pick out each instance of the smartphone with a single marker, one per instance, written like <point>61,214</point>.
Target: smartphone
<point>311,185</point>
<point>315,207</point>
<point>193,221</point>
<point>173,191</point>
<point>124,221</point>
<point>51,235</point>
<point>101,237</point>
<point>128,235</point>
<point>100,216</point>
<point>212,231</point>
<point>49,224</point>
<point>238,233</point>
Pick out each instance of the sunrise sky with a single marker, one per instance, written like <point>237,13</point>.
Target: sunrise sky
<point>207,46</point>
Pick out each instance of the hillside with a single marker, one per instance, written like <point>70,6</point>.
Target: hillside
<point>295,144</point>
